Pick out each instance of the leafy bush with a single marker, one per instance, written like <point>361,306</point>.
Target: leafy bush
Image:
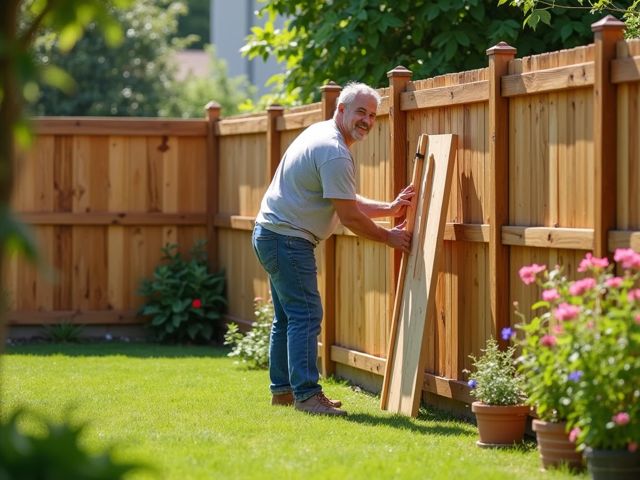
<point>184,300</point>
<point>65,332</point>
<point>495,380</point>
<point>56,455</point>
<point>253,347</point>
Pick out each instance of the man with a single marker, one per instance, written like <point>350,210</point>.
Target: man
<point>314,187</point>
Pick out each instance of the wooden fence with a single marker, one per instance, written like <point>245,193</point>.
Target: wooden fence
<point>548,167</point>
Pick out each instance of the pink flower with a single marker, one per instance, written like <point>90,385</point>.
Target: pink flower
<point>548,341</point>
<point>591,262</point>
<point>258,299</point>
<point>613,282</point>
<point>628,258</point>
<point>638,319</point>
<point>196,303</point>
<point>632,447</point>
<point>557,329</point>
<point>550,295</point>
<point>528,273</point>
<point>573,434</point>
<point>633,295</point>
<point>621,418</point>
<point>566,312</point>
<point>580,286</point>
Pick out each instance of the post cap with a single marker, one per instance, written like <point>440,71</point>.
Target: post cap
<point>399,71</point>
<point>275,107</point>
<point>331,86</point>
<point>502,48</point>
<point>606,23</point>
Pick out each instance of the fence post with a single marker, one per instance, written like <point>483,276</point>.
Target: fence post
<point>212,172</point>
<point>607,32</point>
<point>330,93</point>
<point>273,137</point>
<point>499,57</point>
<point>399,77</point>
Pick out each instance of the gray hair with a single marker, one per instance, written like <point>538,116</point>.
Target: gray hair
<point>352,90</point>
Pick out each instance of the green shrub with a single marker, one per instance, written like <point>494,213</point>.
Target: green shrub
<point>65,332</point>
<point>184,300</point>
<point>253,347</point>
<point>54,455</point>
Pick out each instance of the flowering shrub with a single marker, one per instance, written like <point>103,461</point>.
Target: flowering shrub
<point>495,380</point>
<point>253,347</point>
<point>581,352</point>
<point>183,299</point>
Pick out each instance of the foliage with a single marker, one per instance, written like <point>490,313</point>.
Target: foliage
<point>65,332</point>
<point>55,455</point>
<point>494,380</point>
<point>195,22</point>
<point>189,96</point>
<point>183,299</point>
<point>585,347</point>
<point>131,80</point>
<point>428,37</point>
<point>253,347</point>
<point>536,11</point>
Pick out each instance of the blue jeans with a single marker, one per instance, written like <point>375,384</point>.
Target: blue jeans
<point>293,348</point>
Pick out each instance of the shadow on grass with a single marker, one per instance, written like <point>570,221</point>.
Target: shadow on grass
<point>439,426</point>
<point>104,349</point>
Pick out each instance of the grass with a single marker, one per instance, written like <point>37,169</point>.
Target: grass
<point>194,414</point>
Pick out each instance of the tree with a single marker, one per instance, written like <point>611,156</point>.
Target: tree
<point>536,11</point>
<point>343,40</point>
<point>195,22</point>
<point>134,79</point>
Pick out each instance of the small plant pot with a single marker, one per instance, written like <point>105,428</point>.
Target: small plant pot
<point>613,464</point>
<point>554,445</point>
<point>500,425</point>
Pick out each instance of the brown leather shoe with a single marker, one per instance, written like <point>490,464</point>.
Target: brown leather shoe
<point>286,399</point>
<point>282,399</point>
<point>319,405</point>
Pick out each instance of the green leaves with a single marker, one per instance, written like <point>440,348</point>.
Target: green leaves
<point>253,347</point>
<point>183,299</point>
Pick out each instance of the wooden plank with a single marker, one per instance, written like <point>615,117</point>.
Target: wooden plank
<point>296,121</point>
<point>119,126</point>
<point>415,295</point>
<point>112,218</point>
<point>625,70</point>
<point>78,317</point>
<point>465,93</point>
<point>548,80</point>
<point>466,232</point>
<point>624,239</point>
<point>566,238</point>
<point>239,126</point>
<point>212,168</point>
<point>446,387</point>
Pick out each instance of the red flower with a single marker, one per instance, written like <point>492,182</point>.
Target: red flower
<point>197,303</point>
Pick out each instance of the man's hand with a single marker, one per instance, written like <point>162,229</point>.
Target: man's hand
<point>402,201</point>
<point>398,237</point>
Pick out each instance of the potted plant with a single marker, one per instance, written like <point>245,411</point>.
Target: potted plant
<point>594,329</point>
<point>499,409</point>
<point>545,367</point>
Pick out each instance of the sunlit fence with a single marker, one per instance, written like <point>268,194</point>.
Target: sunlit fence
<point>548,167</point>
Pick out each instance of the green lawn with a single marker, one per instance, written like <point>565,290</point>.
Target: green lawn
<point>193,413</point>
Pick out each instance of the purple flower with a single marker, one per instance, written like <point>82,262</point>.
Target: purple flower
<point>507,333</point>
<point>576,375</point>
<point>472,384</point>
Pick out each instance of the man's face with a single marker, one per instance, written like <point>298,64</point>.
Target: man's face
<point>358,117</point>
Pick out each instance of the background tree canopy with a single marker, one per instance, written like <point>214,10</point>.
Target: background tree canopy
<point>343,40</point>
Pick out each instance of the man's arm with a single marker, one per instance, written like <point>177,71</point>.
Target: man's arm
<point>376,209</point>
<point>352,217</point>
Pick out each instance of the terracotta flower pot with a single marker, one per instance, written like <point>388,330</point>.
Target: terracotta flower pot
<point>554,445</point>
<point>500,425</point>
<point>613,464</point>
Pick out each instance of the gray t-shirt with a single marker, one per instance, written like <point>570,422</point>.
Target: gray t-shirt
<point>316,167</point>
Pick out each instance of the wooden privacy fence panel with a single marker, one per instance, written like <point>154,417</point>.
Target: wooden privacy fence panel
<point>102,205</point>
<point>547,168</point>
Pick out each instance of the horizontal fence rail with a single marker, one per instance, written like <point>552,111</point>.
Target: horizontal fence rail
<point>547,169</point>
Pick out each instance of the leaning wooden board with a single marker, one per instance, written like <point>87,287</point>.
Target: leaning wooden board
<point>415,296</point>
